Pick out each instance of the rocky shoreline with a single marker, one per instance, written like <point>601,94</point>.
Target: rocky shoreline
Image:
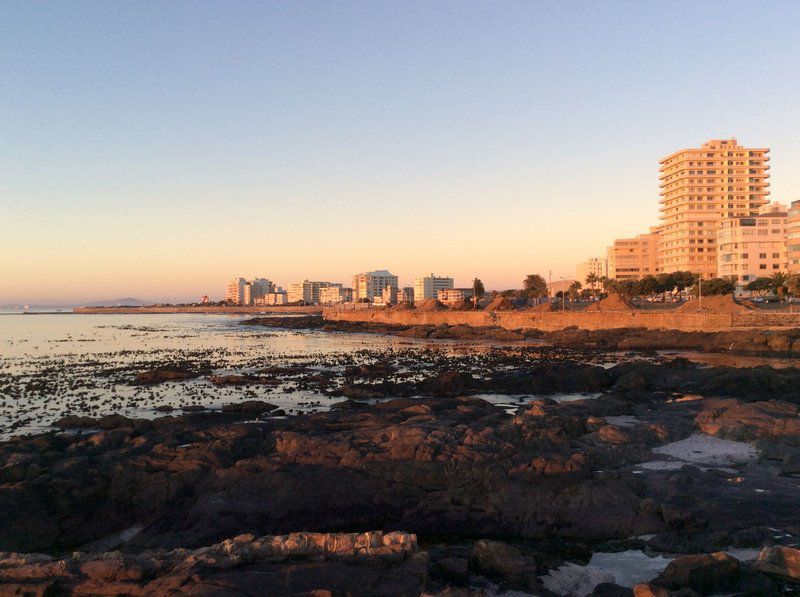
<point>745,342</point>
<point>671,459</point>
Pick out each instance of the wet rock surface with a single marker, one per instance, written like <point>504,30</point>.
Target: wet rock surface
<point>494,458</point>
<point>372,563</point>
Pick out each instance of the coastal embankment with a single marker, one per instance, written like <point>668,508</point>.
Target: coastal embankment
<point>288,309</point>
<point>550,321</point>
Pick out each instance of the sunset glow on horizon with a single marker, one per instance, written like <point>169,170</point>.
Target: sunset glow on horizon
<point>157,150</point>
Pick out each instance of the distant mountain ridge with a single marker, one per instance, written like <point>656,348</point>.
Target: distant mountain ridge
<point>122,302</point>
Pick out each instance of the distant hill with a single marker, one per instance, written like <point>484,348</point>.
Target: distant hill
<point>123,302</point>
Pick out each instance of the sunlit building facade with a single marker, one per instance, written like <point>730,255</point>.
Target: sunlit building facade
<point>633,258</point>
<point>753,247</point>
<point>700,187</point>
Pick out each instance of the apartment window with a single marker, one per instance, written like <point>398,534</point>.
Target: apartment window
<point>762,266</point>
<point>762,255</point>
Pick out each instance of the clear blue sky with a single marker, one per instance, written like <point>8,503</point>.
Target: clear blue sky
<point>156,149</point>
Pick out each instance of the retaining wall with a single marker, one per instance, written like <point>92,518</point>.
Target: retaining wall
<point>553,321</point>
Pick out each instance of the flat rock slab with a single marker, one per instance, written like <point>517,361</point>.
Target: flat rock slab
<point>708,450</point>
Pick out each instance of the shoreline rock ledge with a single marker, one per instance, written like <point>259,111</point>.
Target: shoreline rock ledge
<point>371,563</point>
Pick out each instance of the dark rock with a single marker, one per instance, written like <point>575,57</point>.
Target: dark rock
<point>781,562</point>
<point>252,407</point>
<point>504,563</point>
<point>704,572</point>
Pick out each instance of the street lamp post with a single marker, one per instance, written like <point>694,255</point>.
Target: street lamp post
<point>700,290</point>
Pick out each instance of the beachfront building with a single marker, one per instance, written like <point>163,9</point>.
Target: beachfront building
<point>278,297</point>
<point>594,265</point>
<point>332,295</point>
<point>699,188</point>
<point>793,238</point>
<point>389,296</point>
<point>308,291</point>
<point>369,285</point>
<point>245,292</point>
<point>235,291</point>
<point>247,295</point>
<point>633,258</point>
<point>428,287</point>
<point>450,296</point>
<point>406,294</point>
<point>754,246</point>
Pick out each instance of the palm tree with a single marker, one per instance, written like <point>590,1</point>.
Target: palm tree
<point>592,281</point>
<point>778,282</point>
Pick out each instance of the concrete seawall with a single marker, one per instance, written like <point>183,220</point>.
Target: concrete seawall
<point>554,321</point>
<point>277,309</point>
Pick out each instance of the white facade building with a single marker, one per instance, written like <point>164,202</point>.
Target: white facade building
<point>307,291</point>
<point>235,292</point>
<point>333,295</point>
<point>428,287</point>
<point>369,285</point>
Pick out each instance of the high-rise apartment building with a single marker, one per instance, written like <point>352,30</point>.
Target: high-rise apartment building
<point>247,292</point>
<point>754,246</point>
<point>633,258</point>
<point>428,287</point>
<point>700,187</point>
<point>235,291</point>
<point>369,285</point>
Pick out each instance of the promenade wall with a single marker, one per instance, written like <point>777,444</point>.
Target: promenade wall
<point>276,309</point>
<point>553,321</point>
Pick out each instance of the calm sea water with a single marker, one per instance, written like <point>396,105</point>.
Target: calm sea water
<point>54,364</point>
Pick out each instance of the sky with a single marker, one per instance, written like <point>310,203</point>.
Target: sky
<point>158,149</point>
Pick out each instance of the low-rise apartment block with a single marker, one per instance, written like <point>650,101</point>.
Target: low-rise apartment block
<point>754,246</point>
<point>333,295</point>
<point>633,258</point>
<point>450,296</point>
<point>428,287</point>
<point>307,291</point>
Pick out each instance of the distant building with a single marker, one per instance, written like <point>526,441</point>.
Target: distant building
<point>560,286</point>
<point>389,295</point>
<point>248,294</point>
<point>369,285</point>
<point>633,258</point>
<point>453,295</point>
<point>235,292</point>
<point>753,247</point>
<point>428,287</point>
<point>594,265</point>
<point>699,188</point>
<point>793,238</point>
<point>307,291</point>
<point>333,295</point>
<point>259,287</point>
<point>272,298</point>
<point>406,295</point>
